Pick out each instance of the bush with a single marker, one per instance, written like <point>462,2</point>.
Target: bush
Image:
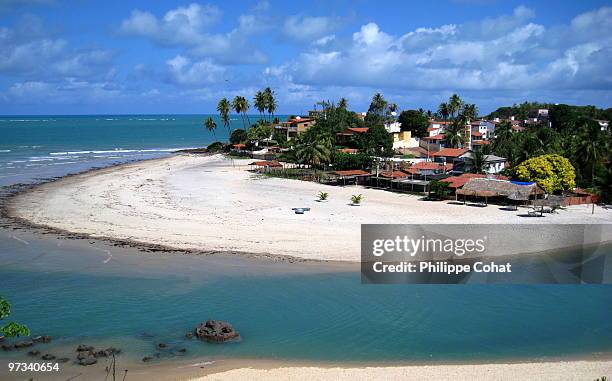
<point>215,147</point>
<point>551,172</point>
<point>356,199</point>
<point>438,189</point>
<point>323,196</point>
<point>343,161</point>
<point>238,136</point>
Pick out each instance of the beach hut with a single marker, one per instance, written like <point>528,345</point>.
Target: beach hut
<point>352,176</point>
<point>487,188</point>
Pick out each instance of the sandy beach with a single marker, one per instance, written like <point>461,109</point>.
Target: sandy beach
<point>551,371</point>
<point>214,204</point>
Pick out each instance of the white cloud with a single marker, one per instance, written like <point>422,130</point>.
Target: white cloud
<point>184,72</point>
<point>29,51</point>
<point>188,28</point>
<point>508,52</point>
<point>309,29</point>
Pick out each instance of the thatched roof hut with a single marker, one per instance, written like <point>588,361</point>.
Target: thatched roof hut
<point>483,187</point>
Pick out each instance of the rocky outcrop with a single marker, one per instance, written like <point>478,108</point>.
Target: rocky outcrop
<point>216,331</point>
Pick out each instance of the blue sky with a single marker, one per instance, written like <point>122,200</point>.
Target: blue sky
<point>84,57</point>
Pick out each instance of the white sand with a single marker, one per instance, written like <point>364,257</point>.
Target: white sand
<point>207,203</point>
<point>551,371</point>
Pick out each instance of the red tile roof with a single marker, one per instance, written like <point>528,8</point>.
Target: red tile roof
<point>430,165</point>
<point>481,142</point>
<point>352,172</point>
<point>394,174</point>
<point>476,133</point>
<point>435,137</point>
<point>348,150</point>
<point>239,145</point>
<point>266,163</point>
<point>358,130</point>
<point>450,152</point>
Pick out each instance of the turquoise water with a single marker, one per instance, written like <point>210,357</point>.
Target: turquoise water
<point>44,145</point>
<point>285,312</point>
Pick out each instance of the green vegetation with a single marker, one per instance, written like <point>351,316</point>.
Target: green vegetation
<point>224,107</point>
<point>11,329</point>
<point>323,196</point>
<point>259,132</point>
<point>238,136</point>
<point>215,147</point>
<point>438,190</point>
<point>414,121</point>
<point>560,114</point>
<point>315,153</point>
<point>211,126</point>
<point>343,161</point>
<point>379,112</point>
<point>241,106</point>
<point>551,172</point>
<point>356,199</point>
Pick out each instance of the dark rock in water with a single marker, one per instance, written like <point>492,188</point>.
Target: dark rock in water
<point>147,359</point>
<point>1,338</point>
<point>23,344</point>
<point>90,360</point>
<point>34,353</point>
<point>37,339</point>
<point>84,348</point>
<point>45,339</point>
<point>48,357</point>
<point>181,350</point>
<point>162,345</point>
<point>106,352</point>
<point>7,347</point>
<point>216,331</point>
<point>63,359</point>
<point>189,335</point>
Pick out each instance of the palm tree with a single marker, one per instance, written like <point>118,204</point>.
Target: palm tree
<point>315,152</point>
<point>454,134</point>
<point>444,110</point>
<point>211,126</point>
<point>270,101</point>
<point>260,103</point>
<point>470,111</point>
<point>455,103</point>
<point>588,144</point>
<point>241,106</point>
<point>343,103</point>
<point>224,107</point>
<point>478,161</point>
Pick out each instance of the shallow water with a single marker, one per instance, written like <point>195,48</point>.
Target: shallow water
<point>288,311</point>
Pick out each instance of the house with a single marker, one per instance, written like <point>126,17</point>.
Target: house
<point>345,136</point>
<point>484,128</point>
<point>491,164</point>
<point>448,155</point>
<point>295,126</point>
<point>429,168</point>
<point>603,124</point>
<point>403,139</point>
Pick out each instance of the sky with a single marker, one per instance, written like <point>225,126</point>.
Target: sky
<point>140,57</point>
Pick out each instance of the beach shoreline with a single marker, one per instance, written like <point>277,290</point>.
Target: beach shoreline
<point>110,204</point>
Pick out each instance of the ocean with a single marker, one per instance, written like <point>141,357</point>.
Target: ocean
<point>43,146</point>
<point>68,289</point>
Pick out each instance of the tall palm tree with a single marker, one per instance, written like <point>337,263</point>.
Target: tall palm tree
<point>455,104</point>
<point>343,103</point>
<point>478,161</point>
<point>315,152</point>
<point>444,110</point>
<point>211,126</point>
<point>454,135</point>
<point>224,108</point>
<point>259,101</point>
<point>241,106</point>
<point>270,102</point>
<point>470,111</point>
<point>589,145</point>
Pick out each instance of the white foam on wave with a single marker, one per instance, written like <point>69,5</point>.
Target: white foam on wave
<point>5,150</point>
<point>116,151</point>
